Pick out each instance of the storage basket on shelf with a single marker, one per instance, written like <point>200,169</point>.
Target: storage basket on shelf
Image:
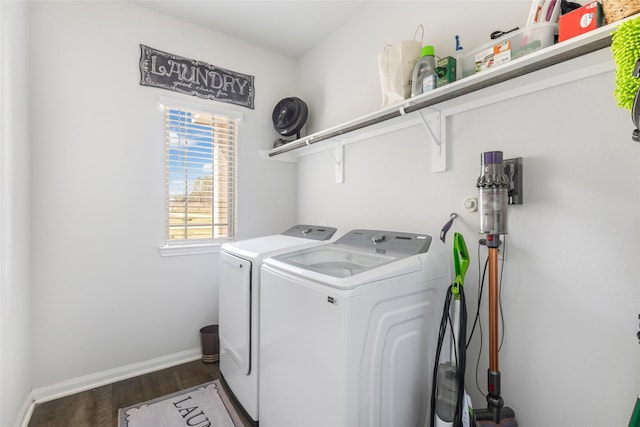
<point>615,10</point>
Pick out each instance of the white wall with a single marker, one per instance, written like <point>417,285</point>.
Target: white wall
<point>102,295</point>
<point>570,292</point>
<point>15,355</point>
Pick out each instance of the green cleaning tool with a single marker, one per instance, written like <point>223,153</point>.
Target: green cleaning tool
<point>450,404</point>
<point>625,48</point>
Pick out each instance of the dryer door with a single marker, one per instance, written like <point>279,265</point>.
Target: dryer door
<point>235,310</point>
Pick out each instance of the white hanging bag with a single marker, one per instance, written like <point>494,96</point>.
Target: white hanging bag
<point>396,63</point>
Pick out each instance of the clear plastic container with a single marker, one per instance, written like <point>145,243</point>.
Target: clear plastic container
<point>493,210</point>
<point>510,46</point>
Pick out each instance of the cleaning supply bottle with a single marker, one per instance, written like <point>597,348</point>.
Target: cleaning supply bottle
<point>424,73</point>
<point>459,55</point>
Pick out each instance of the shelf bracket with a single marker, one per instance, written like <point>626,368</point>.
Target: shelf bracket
<point>338,159</point>
<point>436,127</point>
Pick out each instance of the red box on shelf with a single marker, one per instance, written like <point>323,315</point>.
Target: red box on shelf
<point>580,21</point>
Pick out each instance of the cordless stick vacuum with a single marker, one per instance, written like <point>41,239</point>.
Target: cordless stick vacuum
<point>493,186</point>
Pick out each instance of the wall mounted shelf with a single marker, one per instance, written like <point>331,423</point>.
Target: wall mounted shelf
<point>432,108</point>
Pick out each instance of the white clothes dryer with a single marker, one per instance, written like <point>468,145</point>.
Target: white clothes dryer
<point>349,331</point>
<point>239,304</point>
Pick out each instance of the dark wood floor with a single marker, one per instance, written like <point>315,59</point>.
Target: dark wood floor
<point>99,407</point>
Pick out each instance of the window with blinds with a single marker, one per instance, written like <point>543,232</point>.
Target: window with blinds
<point>200,175</point>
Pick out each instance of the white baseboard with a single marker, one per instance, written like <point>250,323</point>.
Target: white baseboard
<point>88,382</point>
<point>25,412</point>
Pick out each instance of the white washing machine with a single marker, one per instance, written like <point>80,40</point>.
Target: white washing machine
<point>349,331</point>
<point>239,304</point>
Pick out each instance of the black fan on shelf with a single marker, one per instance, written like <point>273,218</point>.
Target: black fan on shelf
<point>289,116</point>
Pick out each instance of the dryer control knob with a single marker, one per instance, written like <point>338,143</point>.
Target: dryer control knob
<point>378,238</point>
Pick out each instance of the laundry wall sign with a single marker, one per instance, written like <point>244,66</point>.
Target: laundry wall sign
<point>196,78</point>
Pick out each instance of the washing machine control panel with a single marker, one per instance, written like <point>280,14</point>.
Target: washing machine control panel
<point>387,241</point>
<point>313,232</point>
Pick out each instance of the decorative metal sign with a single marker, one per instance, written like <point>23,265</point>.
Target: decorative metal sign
<point>172,72</point>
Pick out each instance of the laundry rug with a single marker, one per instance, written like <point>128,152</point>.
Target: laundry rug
<point>206,405</point>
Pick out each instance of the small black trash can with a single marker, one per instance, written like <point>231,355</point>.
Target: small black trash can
<point>210,343</point>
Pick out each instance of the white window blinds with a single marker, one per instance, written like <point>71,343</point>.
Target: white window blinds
<point>200,175</point>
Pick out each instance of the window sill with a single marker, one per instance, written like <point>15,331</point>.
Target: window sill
<point>192,249</point>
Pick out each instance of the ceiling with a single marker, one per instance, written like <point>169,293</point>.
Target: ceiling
<point>288,27</point>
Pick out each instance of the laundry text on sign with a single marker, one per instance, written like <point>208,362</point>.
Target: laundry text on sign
<point>172,72</point>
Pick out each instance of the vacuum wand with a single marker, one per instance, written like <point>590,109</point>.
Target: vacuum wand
<point>493,310</point>
<point>493,186</point>
<point>495,403</point>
